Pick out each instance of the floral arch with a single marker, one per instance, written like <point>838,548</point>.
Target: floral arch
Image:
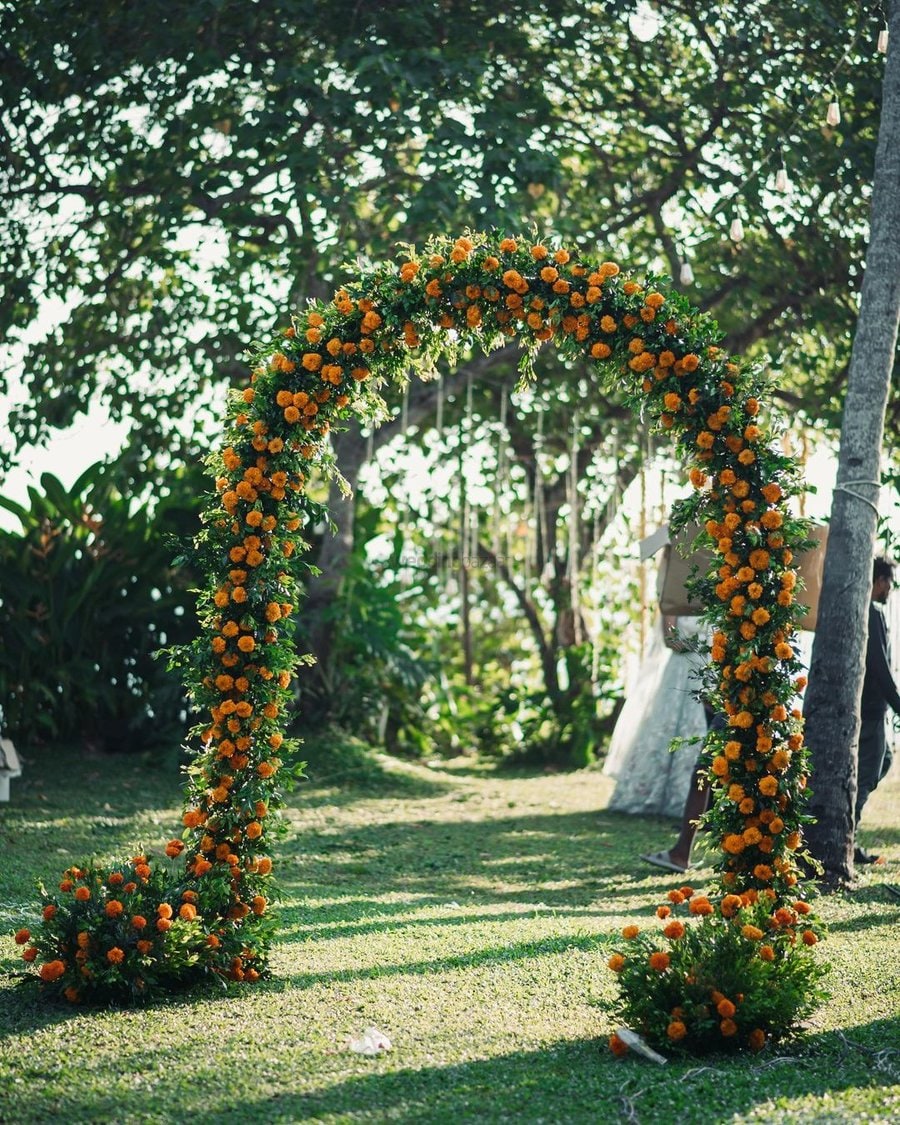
<point>143,926</point>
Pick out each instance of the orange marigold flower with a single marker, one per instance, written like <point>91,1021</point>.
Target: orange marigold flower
<point>674,930</point>
<point>617,1046</point>
<point>52,970</point>
<point>728,1028</point>
<point>512,279</point>
<point>115,956</point>
<point>48,912</point>
<point>768,786</point>
<point>663,911</point>
<point>659,961</point>
<point>23,936</point>
<point>676,1030</point>
<point>725,1008</point>
<point>734,844</point>
<point>675,897</point>
<point>631,931</point>
<point>802,907</point>
<point>113,908</point>
<point>756,1040</point>
<point>82,894</point>
<point>751,933</point>
<point>767,953</point>
<point>188,911</point>
<point>730,905</point>
<point>30,953</point>
<point>809,938</point>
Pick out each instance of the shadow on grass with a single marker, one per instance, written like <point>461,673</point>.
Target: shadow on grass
<point>578,1081</point>
<point>109,785</point>
<point>877,897</point>
<point>316,931</point>
<point>883,836</point>
<point>558,860</point>
<point>342,769</point>
<point>493,955</point>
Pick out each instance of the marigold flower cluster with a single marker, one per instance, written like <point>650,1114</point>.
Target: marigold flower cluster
<point>129,933</point>
<point>736,972</point>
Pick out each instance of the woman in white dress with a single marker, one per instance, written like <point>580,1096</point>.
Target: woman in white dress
<point>651,779</point>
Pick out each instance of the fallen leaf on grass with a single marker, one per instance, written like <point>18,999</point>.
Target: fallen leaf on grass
<point>371,1042</point>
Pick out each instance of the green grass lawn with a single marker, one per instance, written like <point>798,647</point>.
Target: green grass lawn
<point>465,913</point>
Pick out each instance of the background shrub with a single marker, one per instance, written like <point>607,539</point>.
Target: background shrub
<point>88,592</point>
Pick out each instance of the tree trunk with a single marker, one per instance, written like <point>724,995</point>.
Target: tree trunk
<point>838,656</point>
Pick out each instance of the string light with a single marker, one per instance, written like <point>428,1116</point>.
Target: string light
<point>782,180</point>
<point>686,274</point>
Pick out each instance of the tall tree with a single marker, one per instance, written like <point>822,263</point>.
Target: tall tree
<point>838,656</point>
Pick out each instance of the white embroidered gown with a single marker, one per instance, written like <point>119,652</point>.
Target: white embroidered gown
<point>660,706</point>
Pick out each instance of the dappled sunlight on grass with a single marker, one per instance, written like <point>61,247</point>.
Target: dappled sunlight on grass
<point>469,916</point>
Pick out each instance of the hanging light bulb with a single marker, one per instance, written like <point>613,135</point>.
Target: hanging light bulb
<point>833,116</point>
<point>782,183</point>
<point>686,274</point>
<point>883,41</point>
<point>736,233</point>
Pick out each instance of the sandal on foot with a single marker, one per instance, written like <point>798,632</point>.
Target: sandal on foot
<point>662,859</point>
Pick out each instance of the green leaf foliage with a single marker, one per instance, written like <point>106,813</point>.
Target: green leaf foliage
<point>88,592</point>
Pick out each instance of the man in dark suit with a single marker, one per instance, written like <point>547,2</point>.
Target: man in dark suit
<point>879,692</point>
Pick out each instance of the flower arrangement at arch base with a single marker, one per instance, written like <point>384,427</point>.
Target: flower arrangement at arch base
<point>734,973</point>
<point>131,932</point>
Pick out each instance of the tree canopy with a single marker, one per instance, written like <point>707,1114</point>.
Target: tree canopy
<point>176,178</point>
